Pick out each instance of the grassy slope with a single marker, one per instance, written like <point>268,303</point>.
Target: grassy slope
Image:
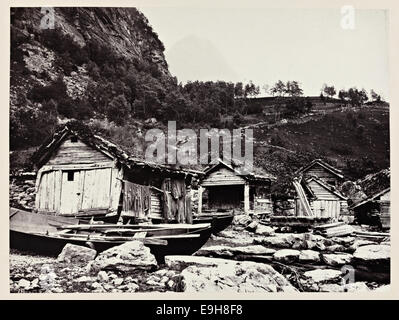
<point>337,137</point>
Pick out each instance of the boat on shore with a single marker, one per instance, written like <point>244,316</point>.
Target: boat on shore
<point>48,235</point>
<point>218,220</point>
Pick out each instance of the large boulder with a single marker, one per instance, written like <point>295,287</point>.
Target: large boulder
<point>360,243</point>
<point>279,240</point>
<point>349,287</point>
<point>233,276</point>
<point>338,259</point>
<point>345,241</point>
<point>213,251</point>
<point>233,237</point>
<point>74,253</point>
<point>242,219</point>
<point>377,256</point>
<point>286,255</point>
<point>126,257</point>
<point>323,275</point>
<point>264,230</point>
<point>309,256</point>
<point>253,250</point>
<point>295,241</point>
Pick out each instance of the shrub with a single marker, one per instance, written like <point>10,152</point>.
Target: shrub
<point>56,90</point>
<point>118,110</point>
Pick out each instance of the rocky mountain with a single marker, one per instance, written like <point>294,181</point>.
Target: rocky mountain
<point>73,62</point>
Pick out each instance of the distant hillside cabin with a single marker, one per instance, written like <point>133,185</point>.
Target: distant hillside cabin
<point>224,188</point>
<point>84,175</point>
<point>323,171</point>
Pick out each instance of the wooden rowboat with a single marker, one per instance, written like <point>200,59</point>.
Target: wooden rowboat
<point>218,221</point>
<point>48,235</point>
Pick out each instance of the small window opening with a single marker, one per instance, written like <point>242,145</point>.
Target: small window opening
<point>74,139</point>
<point>70,175</point>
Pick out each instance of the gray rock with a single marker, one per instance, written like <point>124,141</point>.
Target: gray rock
<point>74,253</point>
<point>152,282</point>
<point>309,256</point>
<point>118,281</point>
<point>132,287</point>
<point>373,254</point>
<point>234,238</point>
<point>218,250</point>
<point>337,259</point>
<point>242,219</point>
<point>83,279</point>
<point>57,290</point>
<point>254,249</point>
<point>96,285</point>
<point>345,241</point>
<point>127,257</point>
<point>286,255</point>
<point>181,262</point>
<point>359,243</point>
<point>23,283</point>
<point>264,230</point>
<point>331,287</point>
<point>233,276</point>
<point>323,275</point>
<point>103,276</point>
<point>35,283</point>
<point>252,226</point>
<point>229,251</point>
<point>278,241</point>
<point>356,287</point>
<point>336,248</point>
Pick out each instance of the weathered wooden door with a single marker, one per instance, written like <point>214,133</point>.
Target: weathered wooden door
<point>96,189</point>
<point>71,191</point>
<point>84,190</point>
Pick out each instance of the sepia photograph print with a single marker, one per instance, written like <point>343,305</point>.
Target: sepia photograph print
<point>199,150</point>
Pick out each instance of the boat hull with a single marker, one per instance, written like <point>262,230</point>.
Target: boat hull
<point>53,245</point>
<point>218,222</point>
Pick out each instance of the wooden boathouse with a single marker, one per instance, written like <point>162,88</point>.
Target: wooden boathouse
<point>81,174</point>
<point>322,171</point>
<point>373,206</point>
<point>224,188</point>
<point>324,200</point>
<point>316,185</point>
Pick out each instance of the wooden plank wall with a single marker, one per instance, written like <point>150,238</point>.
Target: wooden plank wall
<point>90,189</point>
<point>76,152</point>
<point>156,205</point>
<point>321,192</point>
<point>326,208</point>
<point>223,176</point>
<point>321,173</point>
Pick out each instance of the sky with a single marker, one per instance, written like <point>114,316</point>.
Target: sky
<point>267,45</point>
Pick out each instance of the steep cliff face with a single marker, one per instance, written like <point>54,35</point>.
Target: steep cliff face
<point>85,63</point>
<point>125,30</point>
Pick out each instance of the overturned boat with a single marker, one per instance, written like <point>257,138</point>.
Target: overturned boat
<point>48,234</point>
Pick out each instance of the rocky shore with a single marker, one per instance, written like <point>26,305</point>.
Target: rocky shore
<point>246,257</point>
